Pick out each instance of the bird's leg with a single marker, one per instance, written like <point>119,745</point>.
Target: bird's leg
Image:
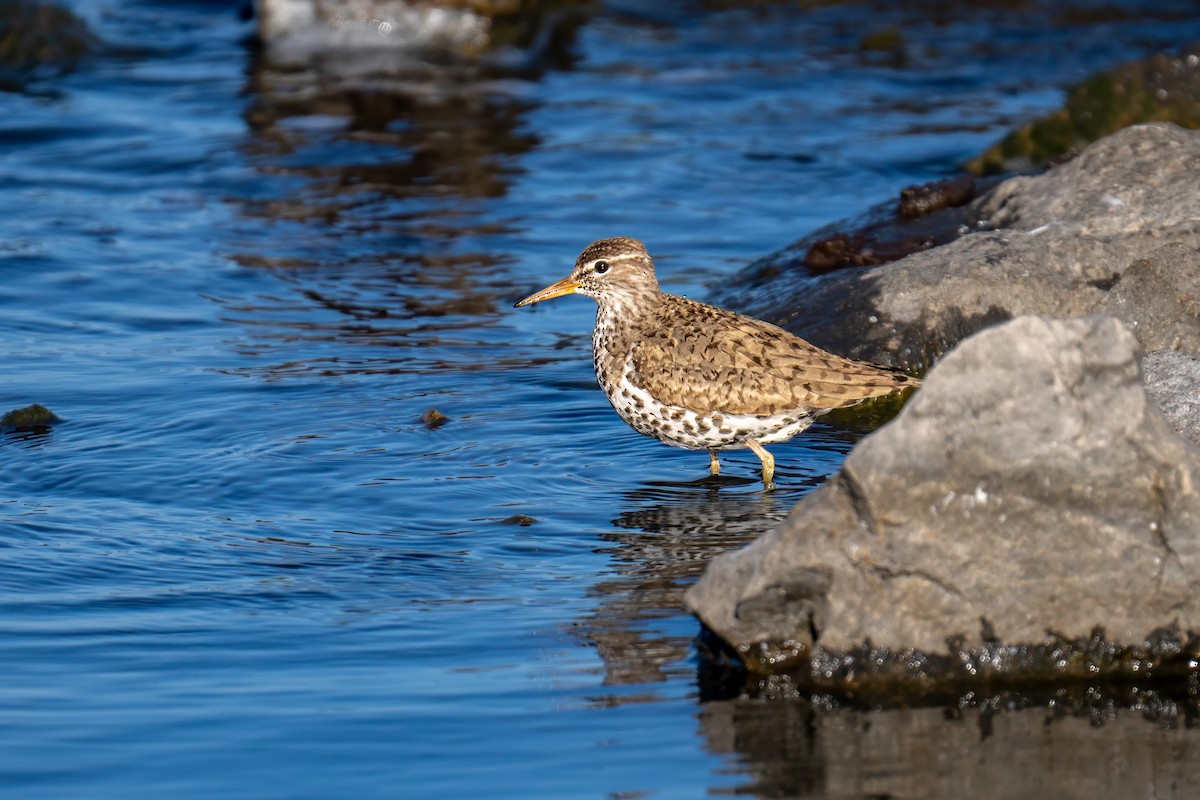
<point>714,466</point>
<point>768,463</point>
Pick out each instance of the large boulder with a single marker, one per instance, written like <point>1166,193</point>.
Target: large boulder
<point>1029,486</point>
<point>1057,244</point>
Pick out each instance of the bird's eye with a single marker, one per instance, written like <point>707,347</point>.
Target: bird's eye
<point>601,267</point>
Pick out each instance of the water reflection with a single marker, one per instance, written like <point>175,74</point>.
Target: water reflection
<point>396,312</point>
<point>665,536</point>
<point>28,437</point>
<point>1085,744</point>
<point>356,38</point>
<point>388,140</point>
<point>379,198</point>
<point>409,129</point>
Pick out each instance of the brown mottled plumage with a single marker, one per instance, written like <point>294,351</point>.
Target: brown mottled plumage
<point>700,377</point>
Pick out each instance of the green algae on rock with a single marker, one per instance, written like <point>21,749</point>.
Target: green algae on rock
<point>30,417</point>
<point>1161,88</point>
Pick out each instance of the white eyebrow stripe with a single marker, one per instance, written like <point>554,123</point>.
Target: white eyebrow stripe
<point>618,257</point>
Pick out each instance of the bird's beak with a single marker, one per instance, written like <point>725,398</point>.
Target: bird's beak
<point>565,286</point>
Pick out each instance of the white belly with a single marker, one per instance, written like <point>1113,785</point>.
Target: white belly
<point>686,428</point>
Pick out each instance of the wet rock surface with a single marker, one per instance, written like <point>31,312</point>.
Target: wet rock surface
<point>917,201</point>
<point>1057,245</point>
<point>921,217</point>
<point>1029,511</point>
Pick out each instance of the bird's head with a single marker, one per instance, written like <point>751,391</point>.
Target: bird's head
<point>615,271</point>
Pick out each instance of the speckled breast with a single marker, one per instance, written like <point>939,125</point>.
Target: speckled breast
<point>684,427</point>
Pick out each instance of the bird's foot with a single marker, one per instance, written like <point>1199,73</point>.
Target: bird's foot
<point>768,464</point>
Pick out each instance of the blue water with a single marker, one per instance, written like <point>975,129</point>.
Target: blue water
<point>243,566</point>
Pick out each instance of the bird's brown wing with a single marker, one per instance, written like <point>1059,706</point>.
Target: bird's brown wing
<point>712,360</point>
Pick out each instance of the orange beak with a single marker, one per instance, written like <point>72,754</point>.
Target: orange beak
<point>565,286</point>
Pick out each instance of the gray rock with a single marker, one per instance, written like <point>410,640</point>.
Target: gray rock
<point>1029,485</point>
<point>1173,382</point>
<point>295,31</point>
<point>1158,297</point>
<point>1061,242</point>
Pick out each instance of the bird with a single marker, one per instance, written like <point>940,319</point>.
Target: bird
<point>701,377</point>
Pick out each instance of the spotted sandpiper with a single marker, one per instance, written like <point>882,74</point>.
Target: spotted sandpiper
<point>700,377</point>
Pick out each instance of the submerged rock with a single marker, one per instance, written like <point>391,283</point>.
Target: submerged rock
<point>433,419</point>
<point>1028,495</point>
<point>1059,245</point>
<point>39,40</point>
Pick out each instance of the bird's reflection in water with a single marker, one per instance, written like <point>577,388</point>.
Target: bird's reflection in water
<point>664,538</point>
